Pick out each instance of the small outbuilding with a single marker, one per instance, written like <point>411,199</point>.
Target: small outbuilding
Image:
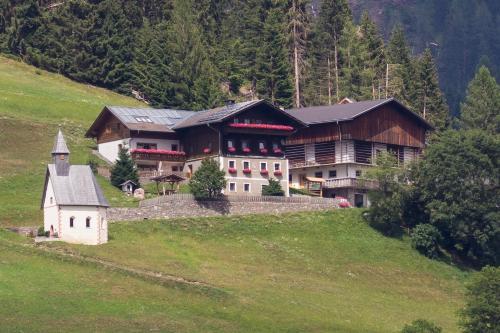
<point>74,207</point>
<point>129,186</point>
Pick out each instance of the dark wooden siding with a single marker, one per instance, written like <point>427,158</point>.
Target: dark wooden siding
<point>195,139</point>
<point>387,124</point>
<point>111,130</point>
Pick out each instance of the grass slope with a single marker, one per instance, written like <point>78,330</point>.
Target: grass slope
<point>33,103</point>
<point>307,272</point>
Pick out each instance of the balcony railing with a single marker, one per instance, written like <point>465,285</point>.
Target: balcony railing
<point>350,182</point>
<point>158,155</point>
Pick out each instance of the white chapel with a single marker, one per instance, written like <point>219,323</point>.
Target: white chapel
<point>74,207</point>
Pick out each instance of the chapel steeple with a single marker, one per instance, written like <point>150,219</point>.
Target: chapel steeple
<point>60,154</point>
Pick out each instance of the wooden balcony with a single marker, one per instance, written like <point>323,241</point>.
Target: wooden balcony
<point>157,155</point>
<point>350,183</point>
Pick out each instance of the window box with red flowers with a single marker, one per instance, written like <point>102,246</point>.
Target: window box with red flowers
<point>263,151</point>
<point>278,173</point>
<point>247,171</point>
<point>247,150</point>
<point>263,126</point>
<point>231,149</point>
<point>207,150</point>
<point>264,172</point>
<point>277,150</point>
<point>232,170</point>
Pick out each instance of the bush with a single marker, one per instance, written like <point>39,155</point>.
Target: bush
<point>273,189</point>
<point>93,164</point>
<point>421,326</point>
<point>425,239</point>
<point>299,191</point>
<point>208,181</point>
<point>40,232</point>
<point>482,303</point>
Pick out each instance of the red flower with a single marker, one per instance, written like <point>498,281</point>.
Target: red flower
<point>262,126</point>
<point>263,150</point>
<point>264,172</point>
<point>278,173</point>
<point>157,152</point>
<point>277,150</point>
<point>344,204</point>
<point>247,171</point>
<point>231,149</point>
<point>246,150</point>
<point>232,170</point>
<point>207,150</point>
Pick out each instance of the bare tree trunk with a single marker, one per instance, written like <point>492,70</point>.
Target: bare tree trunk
<point>336,72</point>
<point>296,59</point>
<point>329,82</point>
<point>425,106</point>
<point>386,80</point>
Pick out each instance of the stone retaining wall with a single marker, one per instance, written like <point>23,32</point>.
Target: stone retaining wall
<point>193,208</point>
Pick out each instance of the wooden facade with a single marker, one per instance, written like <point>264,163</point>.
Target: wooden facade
<point>111,129</point>
<point>384,125</point>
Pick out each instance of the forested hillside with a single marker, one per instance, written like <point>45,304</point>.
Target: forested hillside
<point>463,35</point>
<point>194,54</point>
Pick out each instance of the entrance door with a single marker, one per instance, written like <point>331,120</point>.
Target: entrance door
<point>358,200</point>
<point>51,231</point>
<point>302,180</point>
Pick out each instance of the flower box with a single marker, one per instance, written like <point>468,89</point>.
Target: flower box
<point>247,150</point>
<point>247,171</point>
<point>207,150</point>
<point>232,170</point>
<point>278,173</point>
<point>263,151</point>
<point>231,149</point>
<point>157,152</point>
<point>263,126</point>
<point>277,150</point>
<point>264,172</point>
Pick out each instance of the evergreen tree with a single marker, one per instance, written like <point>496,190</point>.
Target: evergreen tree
<point>124,169</point>
<point>481,108</point>
<point>350,55</point>
<point>373,59</point>
<point>400,73</point>
<point>273,71</point>
<point>429,100</point>
<point>273,188</point>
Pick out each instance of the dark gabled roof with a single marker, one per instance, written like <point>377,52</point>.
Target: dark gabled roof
<point>220,114</point>
<point>60,146</point>
<point>153,120</point>
<point>77,188</point>
<point>345,112</point>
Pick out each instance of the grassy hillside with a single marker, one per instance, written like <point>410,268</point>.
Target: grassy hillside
<point>33,103</point>
<point>308,272</point>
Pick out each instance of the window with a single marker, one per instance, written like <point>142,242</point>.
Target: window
<point>247,121</point>
<point>120,146</point>
<point>262,145</point>
<point>230,144</point>
<point>87,222</point>
<point>318,174</point>
<point>275,145</point>
<point>145,145</point>
<point>71,222</point>
<point>244,144</point>
<point>358,173</point>
<point>290,178</point>
<point>143,119</point>
<point>277,166</point>
<point>236,120</point>
<point>263,165</point>
<point>175,168</point>
<point>232,187</point>
<point>175,147</point>
<point>51,200</point>
<point>332,174</point>
<point>258,121</point>
<point>246,187</point>
<point>246,165</point>
<point>232,164</point>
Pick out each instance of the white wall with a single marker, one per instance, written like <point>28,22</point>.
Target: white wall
<point>160,143</point>
<point>50,210</point>
<point>110,149</point>
<point>79,233</point>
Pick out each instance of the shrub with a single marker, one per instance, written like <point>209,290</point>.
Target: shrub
<point>273,189</point>
<point>208,181</point>
<point>425,239</point>
<point>40,232</point>
<point>482,303</point>
<point>93,164</point>
<point>421,326</point>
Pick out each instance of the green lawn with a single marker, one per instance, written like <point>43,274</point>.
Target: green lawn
<point>33,103</point>
<point>305,272</point>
